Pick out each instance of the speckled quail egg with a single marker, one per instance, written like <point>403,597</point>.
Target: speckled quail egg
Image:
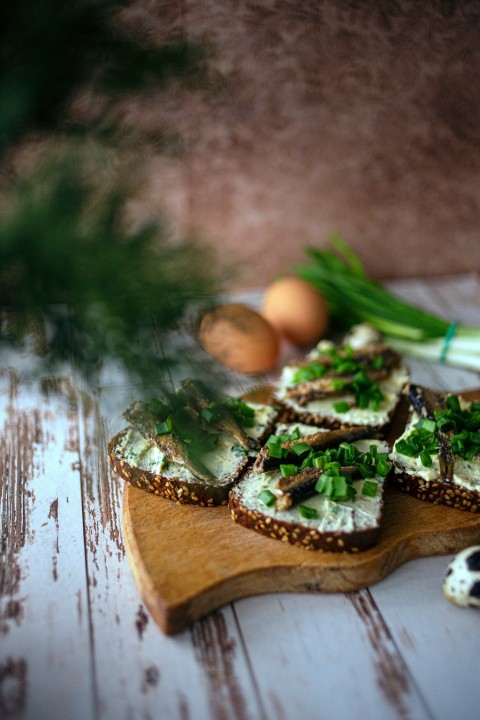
<point>461,584</point>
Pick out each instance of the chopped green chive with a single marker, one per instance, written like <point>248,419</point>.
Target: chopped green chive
<point>267,497</point>
<point>275,450</point>
<point>463,424</point>
<point>324,485</point>
<point>427,424</point>
<point>310,372</point>
<point>164,427</point>
<point>157,407</point>
<point>453,403</point>
<point>307,512</point>
<point>426,458</point>
<point>300,448</point>
<point>243,413</point>
<point>210,416</point>
<point>369,488</point>
<point>341,406</point>
<point>340,491</point>
<point>382,467</point>
<point>332,468</point>
<point>355,378</point>
<point>347,368</point>
<point>288,470</point>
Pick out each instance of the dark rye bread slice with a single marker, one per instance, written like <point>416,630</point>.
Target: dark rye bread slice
<point>298,534</point>
<point>184,490</point>
<point>322,412</point>
<point>438,492</point>
<point>428,483</point>
<point>291,414</point>
<point>178,484</point>
<point>355,528</point>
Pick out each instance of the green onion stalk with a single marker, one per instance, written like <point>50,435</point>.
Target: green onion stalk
<point>354,297</point>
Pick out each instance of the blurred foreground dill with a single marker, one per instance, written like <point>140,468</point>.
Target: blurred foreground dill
<point>71,269</point>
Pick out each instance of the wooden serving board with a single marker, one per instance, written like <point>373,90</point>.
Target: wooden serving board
<point>188,561</point>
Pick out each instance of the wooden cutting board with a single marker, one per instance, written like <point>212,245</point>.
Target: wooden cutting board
<point>188,561</point>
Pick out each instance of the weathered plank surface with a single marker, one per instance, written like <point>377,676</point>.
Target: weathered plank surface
<point>179,587</point>
<point>45,629</point>
<point>76,640</point>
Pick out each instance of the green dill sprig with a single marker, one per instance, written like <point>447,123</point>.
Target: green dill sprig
<point>76,284</point>
<point>50,57</point>
<point>92,290</point>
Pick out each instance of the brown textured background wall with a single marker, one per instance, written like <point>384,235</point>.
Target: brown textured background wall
<point>357,116</point>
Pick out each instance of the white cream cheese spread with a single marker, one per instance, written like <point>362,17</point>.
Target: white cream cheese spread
<point>222,461</point>
<point>466,472</point>
<point>346,516</point>
<point>390,388</point>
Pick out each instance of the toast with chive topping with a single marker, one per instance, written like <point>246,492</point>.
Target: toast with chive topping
<point>437,457</point>
<point>315,494</point>
<point>190,451</point>
<point>357,382</point>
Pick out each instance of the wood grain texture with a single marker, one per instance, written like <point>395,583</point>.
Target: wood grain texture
<point>77,640</point>
<point>188,561</point>
<point>42,570</point>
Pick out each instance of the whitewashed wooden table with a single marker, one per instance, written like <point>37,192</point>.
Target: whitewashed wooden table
<point>76,641</point>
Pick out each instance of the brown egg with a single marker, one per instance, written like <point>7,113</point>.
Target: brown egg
<point>239,338</point>
<point>296,310</point>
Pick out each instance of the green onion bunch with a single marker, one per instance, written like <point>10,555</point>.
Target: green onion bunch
<point>354,297</point>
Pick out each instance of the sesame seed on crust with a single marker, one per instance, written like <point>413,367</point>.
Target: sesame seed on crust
<point>438,493</point>
<point>299,535</point>
<point>172,488</point>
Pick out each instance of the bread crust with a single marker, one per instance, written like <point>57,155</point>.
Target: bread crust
<point>437,491</point>
<point>290,415</point>
<point>186,492</point>
<point>300,535</point>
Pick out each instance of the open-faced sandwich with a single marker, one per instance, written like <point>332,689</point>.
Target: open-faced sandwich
<point>316,488</point>
<point>191,447</point>
<point>310,469</point>
<point>437,458</point>
<point>355,383</point>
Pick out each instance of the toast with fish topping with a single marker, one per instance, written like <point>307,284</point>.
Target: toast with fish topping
<point>192,448</point>
<point>314,488</point>
<point>357,382</point>
<point>437,457</point>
